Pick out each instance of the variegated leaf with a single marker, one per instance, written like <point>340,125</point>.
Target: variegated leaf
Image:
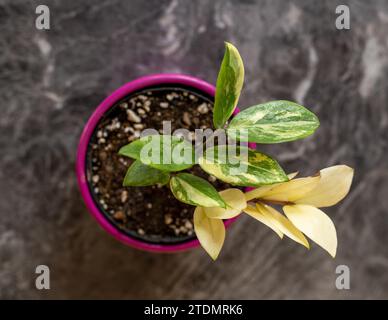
<point>140,175</point>
<point>210,232</point>
<point>196,191</point>
<point>163,152</point>
<point>229,83</point>
<point>235,202</point>
<point>273,122</point>
<point>315,224</point>
<point>241,166</point>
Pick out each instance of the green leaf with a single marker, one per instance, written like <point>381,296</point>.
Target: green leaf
<point>273,122</point>
<point>241,166</point>
<point>196,191</point>
<point>141,175</point>
<point>163,152</point>
<point>229,83</point>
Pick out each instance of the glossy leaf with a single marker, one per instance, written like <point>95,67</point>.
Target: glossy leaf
<point>283,224</point>
<point>196,191</point>
<point>259,192</point>
<point>235,201</point>
<point>291,191</point>
<point>163,152</point>
<point>139,175</point>
<point>315,224</point>
<point>241,166</point>
<point>210,232</point>
<point>333,186</point>
<point>273,122</point>
<point>256,214</point>
<point>229,84</point>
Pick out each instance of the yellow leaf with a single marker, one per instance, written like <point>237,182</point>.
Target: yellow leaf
<point>254,213</point>
<point>283,224</point>
<point>292,175</point>
<point>292,190</point>
<point>315,224</point>
<point>258,192</point>
<point>333,186</point>
<point>210,232</point>
<point>235,201</point>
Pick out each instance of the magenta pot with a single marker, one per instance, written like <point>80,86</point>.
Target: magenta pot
<point>110,101</point>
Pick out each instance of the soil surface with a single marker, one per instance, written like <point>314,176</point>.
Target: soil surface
<point>149,213</point>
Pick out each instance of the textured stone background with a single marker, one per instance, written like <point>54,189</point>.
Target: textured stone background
<point>51,81</point>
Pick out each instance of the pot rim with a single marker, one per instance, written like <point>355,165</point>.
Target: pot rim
<point>102,108</point>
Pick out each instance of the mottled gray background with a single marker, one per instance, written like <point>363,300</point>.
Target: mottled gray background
<point>51,81</point>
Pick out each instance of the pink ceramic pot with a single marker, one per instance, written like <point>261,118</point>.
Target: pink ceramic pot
<point>120,93</point>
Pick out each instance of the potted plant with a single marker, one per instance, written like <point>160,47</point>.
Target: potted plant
<point>156,178</point>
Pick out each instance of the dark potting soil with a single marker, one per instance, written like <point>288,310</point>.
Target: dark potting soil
<point>152,213</point>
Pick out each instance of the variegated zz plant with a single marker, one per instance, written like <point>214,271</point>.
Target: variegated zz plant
<point>272,122</point>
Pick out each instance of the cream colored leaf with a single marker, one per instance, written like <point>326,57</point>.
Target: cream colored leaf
<point>332,188</point>
<point>315,224</point>
<point>210,232</point>
<point>235,200</point>
<point>292,190</point>
<point>292,175</point>
<point>254,213</point>
<point>258,192</point>
<point>283,224</point>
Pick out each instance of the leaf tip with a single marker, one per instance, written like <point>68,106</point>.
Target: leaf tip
<point>229,46</point>
<point>121,151</point>
<point>214,256</point>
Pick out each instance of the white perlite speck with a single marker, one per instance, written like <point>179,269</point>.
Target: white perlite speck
<point>188,225</point>
<point>203,108</point>
<point>132,116</point>
<point>147,105</point>
<point>138,126</point>
<point>124,196</point>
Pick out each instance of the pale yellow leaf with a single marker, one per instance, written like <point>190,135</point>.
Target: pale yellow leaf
<point>254,213</point>
<point>258,192</point>
<point>292,190</point>
<point>235,200</point>
<point>283,224</point>
<point>315,224</point>
<point>292,175</point>
<point>210,232</point>
<point>333,186</point>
